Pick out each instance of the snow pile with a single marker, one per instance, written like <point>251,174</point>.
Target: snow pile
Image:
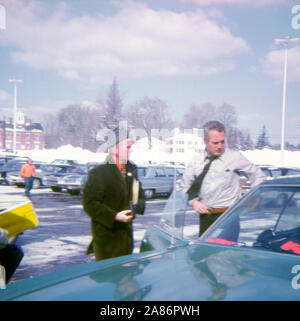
<point>156,155</point>
<point>273,157</point>
<point>83,156</point>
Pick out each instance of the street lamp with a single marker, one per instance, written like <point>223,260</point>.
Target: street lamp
<point>285,42</point>
<point>15,82</point>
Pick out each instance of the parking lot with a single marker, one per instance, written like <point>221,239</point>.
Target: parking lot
<point>63,234</point>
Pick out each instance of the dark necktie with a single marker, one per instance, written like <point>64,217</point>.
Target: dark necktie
<point>193,191</point>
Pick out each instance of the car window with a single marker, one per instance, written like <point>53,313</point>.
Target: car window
<point>291,217</point>
<point>71,170</point>
<point>276,172</point>
<point>170,171</point>
<point>266,171</point>
<point>61,170</point>
<point>268,219</point>
<point>141,172</point>
<point>159,172</point>
<point>293,172</point>
<point>79,170</point>
<point>47,168</point>
<point>180,171</point>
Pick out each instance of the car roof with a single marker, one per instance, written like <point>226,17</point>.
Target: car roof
<point>284,180</point>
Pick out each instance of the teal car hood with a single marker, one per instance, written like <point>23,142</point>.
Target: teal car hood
<point>188,272</point>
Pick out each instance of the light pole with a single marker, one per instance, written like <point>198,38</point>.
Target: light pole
<point>15,82</point>
<point>285,42</point>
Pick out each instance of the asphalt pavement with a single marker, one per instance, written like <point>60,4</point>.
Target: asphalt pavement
<point>61,238</point>
<point>63,233</point>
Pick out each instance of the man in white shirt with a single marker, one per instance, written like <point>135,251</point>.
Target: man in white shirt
<point>220,186</point>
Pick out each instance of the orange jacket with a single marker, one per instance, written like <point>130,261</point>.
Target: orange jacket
<point>28,170</point>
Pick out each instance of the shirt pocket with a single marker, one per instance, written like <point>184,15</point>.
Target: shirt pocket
<point>223,178</point>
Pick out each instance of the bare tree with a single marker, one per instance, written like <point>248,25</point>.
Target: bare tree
<point>198,115</point>
<point>227,115</point>
<point>75,125</point>
<point>51,131</point>
<point>149,114</point>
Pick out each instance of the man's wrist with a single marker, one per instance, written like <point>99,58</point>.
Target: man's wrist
<point>193,200</point>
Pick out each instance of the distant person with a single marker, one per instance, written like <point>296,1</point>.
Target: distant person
<point>212,178</point>
<point>28,173</point>
<point>107,199</point>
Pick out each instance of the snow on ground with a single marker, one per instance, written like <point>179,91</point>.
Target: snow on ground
<point>65,152</point>
<point>265,156</point>
<point>273,157</point>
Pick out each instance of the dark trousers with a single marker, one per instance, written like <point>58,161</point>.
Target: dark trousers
<point>231,231</point>
<point>206,220</point>
<point>10,258</point>
<point>28,185</point>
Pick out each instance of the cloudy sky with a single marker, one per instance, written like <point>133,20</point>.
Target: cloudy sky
<point>182,51</point>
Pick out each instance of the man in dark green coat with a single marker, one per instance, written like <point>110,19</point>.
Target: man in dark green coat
<point>107,198</point>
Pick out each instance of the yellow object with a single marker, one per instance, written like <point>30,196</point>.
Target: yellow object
<point>135,191</point>
<point>19,218</point>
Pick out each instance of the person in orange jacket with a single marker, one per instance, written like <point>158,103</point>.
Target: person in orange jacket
<point>28,173</point>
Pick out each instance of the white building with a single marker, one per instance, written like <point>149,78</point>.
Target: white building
<point>185,143</point>
<point>178,148</point>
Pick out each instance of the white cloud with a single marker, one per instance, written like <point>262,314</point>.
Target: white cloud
<point>257,3</point>
<point>135,42</point>
<point>273,64</point>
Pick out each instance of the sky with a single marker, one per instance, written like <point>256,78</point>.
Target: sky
<point>184,52</point>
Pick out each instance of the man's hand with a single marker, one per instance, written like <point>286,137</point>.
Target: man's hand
<point>200,207</point>
<point>124,216</point>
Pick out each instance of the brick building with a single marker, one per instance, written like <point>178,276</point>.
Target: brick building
<point>29,135</point>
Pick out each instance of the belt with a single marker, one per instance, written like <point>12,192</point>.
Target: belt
<point>217,210</point>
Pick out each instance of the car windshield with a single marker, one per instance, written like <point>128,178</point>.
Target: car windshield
<point>70,170</point>
<point>45,168</point>
<point>268,219</point>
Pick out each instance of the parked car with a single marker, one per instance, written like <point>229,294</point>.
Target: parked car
<point>273,171</point>
<point>74,183</point>
<point>6,158</point>
<point>52,179</point>
<point>70,162</point>
<point>270,172</point>
<point>252,252</point>
<point>42,169</point>
<point>158,179</point>
<point>12,165</point>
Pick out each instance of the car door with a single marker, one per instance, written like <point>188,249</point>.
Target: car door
<point>161,180</point>
<point>171,174</point>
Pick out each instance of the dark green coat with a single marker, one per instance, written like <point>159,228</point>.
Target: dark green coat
<point>105,194</point>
